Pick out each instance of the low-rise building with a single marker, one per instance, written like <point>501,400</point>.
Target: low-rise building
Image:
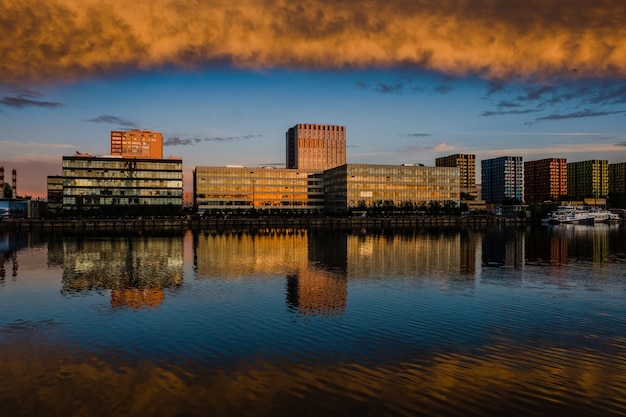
<point>238,189</point>
<point>122,186</point>
<point>353,186</point>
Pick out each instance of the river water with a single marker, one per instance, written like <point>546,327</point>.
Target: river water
<point>438,322</point>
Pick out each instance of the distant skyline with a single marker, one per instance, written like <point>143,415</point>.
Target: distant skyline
<point>223,81</point>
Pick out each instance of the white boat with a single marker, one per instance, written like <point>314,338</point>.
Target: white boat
<point>569,214</point>
<point>603,216</point>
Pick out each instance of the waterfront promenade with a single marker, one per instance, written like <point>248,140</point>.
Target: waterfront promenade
<point>250,224</point>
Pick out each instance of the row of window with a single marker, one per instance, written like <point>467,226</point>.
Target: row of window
<point>121,164</point>
<point>102,201</point>
<point>89,173</point>
<point>119,183</point>
<point>122,192</point>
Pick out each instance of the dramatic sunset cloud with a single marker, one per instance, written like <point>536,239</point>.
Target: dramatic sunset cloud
<point>56,40</point>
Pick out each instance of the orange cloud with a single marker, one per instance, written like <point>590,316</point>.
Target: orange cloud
<point>499,39</point>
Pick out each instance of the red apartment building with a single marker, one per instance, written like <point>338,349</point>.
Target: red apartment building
<point>545,180</point>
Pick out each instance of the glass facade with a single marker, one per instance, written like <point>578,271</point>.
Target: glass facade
<point>55,192</point>
<point>93,182</point>
<point>230,189</point>
<point>365,185</point>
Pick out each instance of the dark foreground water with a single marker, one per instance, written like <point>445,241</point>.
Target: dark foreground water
<point>486,322</point>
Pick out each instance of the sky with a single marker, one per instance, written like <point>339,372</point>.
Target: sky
<point>412,80</point>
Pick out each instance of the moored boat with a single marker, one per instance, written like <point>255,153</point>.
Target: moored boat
<point>570,214</point>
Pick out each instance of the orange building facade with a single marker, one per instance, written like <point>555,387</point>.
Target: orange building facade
<point>137,144</point>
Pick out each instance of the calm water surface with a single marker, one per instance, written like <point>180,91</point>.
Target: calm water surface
<point>485,322</point>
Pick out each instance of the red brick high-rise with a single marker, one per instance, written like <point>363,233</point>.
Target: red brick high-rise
<point>545,180</point>
<point>316,146</point>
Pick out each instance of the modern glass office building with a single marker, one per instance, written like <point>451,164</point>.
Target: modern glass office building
<point>123,184</point>
<point>502,179</point>
<point>237,189</point>
<point>55,192</point>
<point>365,185</point>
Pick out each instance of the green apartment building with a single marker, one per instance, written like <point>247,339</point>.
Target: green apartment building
<point>588,179</point>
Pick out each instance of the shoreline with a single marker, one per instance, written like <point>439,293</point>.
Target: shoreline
<point>249,224</point>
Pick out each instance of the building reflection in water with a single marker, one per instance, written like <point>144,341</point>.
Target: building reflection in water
<point>321,288</point>
<point>134,269</point>
<point>552,247</point>
<point>438,254</point>
<point>318,265</point>
<point>10,244</point>
<point>503,247</point>
<point>315,271</point>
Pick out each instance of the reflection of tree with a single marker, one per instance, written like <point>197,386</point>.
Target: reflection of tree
<point>10,244</point>
<point>14,264</point>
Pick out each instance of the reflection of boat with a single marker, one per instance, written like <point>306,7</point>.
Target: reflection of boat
<point>569,214</point>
